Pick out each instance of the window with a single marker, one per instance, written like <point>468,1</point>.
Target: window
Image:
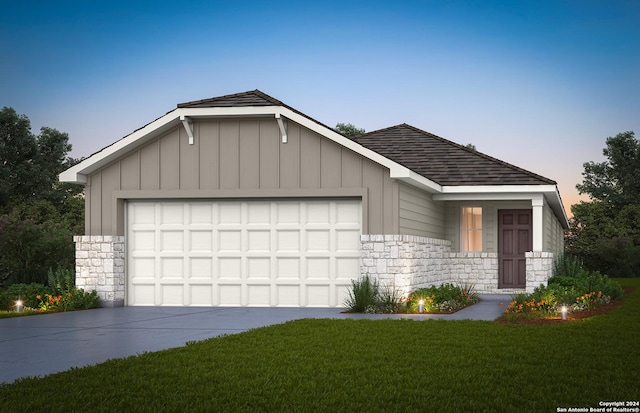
<point>471,229</point>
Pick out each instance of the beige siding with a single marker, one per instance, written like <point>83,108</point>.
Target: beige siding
<point>453,211</point>
<point>419,214</point>
<point>553,235</point>
<point>232,156</point>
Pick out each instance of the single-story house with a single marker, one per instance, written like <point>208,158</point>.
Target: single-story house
<point>241,200</point>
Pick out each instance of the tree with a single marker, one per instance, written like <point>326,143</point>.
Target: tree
<point>31,164</point>
<point>38,214</point>
<point>605,232</point>
<point>615,181</point>
<point>347,129</point>
<point>471,146</point>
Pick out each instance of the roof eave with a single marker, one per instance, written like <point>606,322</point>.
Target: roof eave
<point>78,173</point>
<point>506,192</point>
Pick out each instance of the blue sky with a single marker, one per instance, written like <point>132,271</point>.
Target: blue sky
<point>540,84</point>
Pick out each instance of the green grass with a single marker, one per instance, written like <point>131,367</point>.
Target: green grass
<point>364,366</point>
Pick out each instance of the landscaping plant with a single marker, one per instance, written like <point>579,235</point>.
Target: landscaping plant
<point>60,295</point>
<point>443,299</point>
<point>326,365</point>
<point>572,287</point>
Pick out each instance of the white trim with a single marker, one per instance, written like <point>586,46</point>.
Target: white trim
<point>188,127</point>
<point>77,173</point>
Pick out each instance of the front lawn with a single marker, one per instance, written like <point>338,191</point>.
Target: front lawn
<point>365,365</point>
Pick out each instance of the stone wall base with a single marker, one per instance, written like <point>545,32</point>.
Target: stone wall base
<point>100,267</point>
<point>407,263</point>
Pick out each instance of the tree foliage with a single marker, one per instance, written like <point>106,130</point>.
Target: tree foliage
<point>38,214</point>
<point>605,232</point>
<point>615,181</point>
<point>347,129</point>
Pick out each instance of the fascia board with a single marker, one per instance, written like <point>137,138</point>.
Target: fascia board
<point>79,172</point>
<point>505,193</point>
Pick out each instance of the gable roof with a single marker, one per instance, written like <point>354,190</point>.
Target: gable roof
<point>443,161</point>
<point>444,168</point>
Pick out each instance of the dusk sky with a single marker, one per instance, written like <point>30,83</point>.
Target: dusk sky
<point>539,84</point>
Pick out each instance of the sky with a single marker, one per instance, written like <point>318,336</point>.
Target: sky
<point>539,84</point>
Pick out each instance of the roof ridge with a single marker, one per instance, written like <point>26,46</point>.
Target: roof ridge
<point>255,92</point>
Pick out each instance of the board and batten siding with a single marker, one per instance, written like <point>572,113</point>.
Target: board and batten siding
<point>419,214</point>
<point>242,158</point>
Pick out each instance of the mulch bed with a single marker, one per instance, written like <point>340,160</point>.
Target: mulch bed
<point>575,316</point>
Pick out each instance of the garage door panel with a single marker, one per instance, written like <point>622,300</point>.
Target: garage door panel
<point>171,268</point>
<point>172,213</point>
<point>288,240</point>
<point>259,295</point>
<point>288,296</point>
<point>145,240</point>
<point>201,294</point>
<point>318,268</point>
<point>172,240</point>
<point>259,241</point>
<point>200,268</point>
<point>347,268</point>
<point>288,213</point>
<point>318,213</point>
<point>172,294</point>
<point>318,240</point>
<point>258,213</point>
<point>347,240</point>
<point>229,294</point>
<point>240,253</point>
<point>230,268</point>
<point>143,294</point>
<point>348,213</point>
<point>318,295</point>
<point>258,268</point>
<point>202,214</point>
<point>230,240</point>
<point>144,267</point>
<point>201,240</point>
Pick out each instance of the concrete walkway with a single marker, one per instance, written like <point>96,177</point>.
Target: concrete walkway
<point>51,343</point>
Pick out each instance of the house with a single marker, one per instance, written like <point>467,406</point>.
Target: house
<point>241,200</point>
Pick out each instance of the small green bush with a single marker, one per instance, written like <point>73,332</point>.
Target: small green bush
<point>572,286</point>
<point>25,292</point>
<point>567,265</point>
<point>363,295</point>
<point>444,298</point>
<point>60,295</point>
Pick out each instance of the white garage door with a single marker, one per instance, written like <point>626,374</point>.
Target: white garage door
<point>242,253</point>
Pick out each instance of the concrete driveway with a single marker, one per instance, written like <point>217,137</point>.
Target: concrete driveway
<point>51,343</point>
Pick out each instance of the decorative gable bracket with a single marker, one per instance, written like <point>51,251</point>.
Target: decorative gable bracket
<point>282,124</point>
<point>188,126</point>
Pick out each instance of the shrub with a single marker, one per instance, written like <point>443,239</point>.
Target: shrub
<point>577,288</point>
<point>25,292</point>
<point>28,248</point>
<point>444,298</point>
<point>363,295</point>
<point>567,265</point>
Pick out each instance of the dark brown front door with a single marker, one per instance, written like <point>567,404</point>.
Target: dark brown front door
<point>515,237</point>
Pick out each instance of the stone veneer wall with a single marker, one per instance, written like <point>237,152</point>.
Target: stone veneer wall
<point>100,267</point>
<point>539,268</point>
<point>409,262</point>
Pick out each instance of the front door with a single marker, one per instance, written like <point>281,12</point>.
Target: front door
<point>515,237</point>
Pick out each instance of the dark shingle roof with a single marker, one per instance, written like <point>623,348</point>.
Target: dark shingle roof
<point>443,161</point>
<point>431,156</point>
<point>250,98</point>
